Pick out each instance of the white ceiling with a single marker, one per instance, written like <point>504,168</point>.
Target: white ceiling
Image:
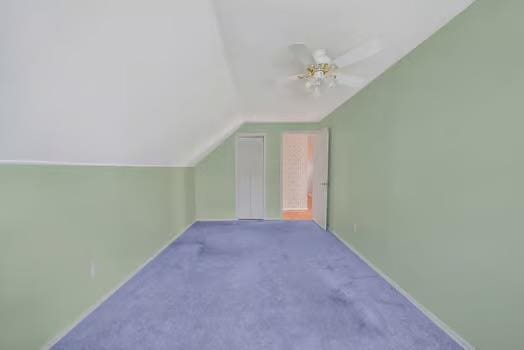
<point>154,82</point>
<point>111,81</point>
<point>256,36</point>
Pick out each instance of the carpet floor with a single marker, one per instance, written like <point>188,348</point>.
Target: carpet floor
<point>256,285</point>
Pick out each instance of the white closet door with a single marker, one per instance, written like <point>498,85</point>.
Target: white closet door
<point>320,178</point>
<point>250,177</point>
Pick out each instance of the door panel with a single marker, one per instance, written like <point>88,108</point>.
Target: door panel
<point>250,177</point>
<point>320,177</point>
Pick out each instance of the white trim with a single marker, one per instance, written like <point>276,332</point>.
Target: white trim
<point>450,332</point>
<point>45,162</point>
<point>264,181</point>
<point>294,209</point>
<point>298,131</point>
<point>65,331</point>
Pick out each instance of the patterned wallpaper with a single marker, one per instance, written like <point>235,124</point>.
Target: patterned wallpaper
<point>295,171</point>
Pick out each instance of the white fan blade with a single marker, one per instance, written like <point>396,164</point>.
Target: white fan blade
<point>351,81</point>
<point>359,53</point>
<point>287,80</point>
<point>302,53</point>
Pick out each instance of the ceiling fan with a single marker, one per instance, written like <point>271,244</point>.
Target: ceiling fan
<point>321,70</point>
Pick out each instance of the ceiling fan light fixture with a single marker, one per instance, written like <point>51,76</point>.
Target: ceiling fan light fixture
<point>321,70</point>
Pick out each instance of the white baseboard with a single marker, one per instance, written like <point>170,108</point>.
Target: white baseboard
<point>452,334</point>
<point>295,209</point>
<point>55,340</point>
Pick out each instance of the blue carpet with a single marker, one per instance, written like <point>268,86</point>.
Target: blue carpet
<point>256,285</point>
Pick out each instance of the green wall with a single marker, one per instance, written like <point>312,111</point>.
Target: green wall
<point>428,162</point>
<point>57,220</point>
<point>215,175</point>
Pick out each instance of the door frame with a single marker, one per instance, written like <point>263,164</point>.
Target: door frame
<point>264,184</point>
<point>306,132</point>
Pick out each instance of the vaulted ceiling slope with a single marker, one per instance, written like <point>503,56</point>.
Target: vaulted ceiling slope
<point>256,35</point>
<point>158,82</point>
<point>112,81</point>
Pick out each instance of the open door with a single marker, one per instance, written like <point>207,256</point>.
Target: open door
<point>320,178</point>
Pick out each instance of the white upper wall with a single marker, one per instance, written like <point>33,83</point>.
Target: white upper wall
<point>162,82</point>
<point>112,81</point>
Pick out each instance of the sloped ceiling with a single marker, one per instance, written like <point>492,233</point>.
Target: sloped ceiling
<point>133,82</point>
<point>111,81</point>
<point>256,35</point>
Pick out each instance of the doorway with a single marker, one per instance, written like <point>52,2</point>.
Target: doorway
<point>304,174</point>
<point>250,176</point>
<point>297,176</point>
